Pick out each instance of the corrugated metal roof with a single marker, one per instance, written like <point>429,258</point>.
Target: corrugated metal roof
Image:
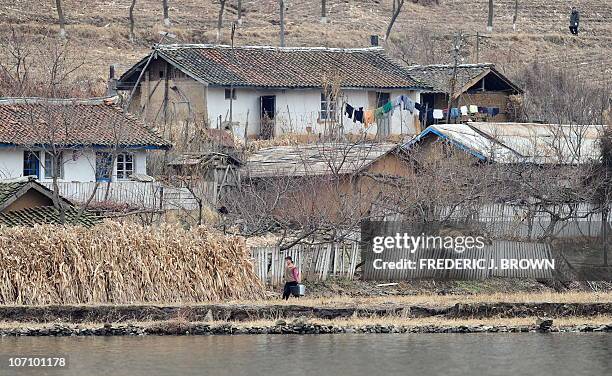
<point>315,159</point>
<point>521,142</point>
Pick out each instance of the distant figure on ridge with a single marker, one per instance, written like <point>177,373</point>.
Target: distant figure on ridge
<point>292,277</point>
<point>574,21</point>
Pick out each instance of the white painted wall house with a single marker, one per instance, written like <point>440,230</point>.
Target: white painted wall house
<point>288,88</point>
<point>83,135</point>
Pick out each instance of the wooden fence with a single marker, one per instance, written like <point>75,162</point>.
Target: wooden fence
<point>319,262</point>
<point>497,251</point>
<point>315,262</point>
<point>153,195</point>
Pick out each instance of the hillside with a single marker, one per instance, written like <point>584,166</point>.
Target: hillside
<point>422,34</point>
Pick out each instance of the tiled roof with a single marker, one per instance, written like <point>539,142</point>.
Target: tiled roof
<point>314,159</point>
<point>47,215</point>
<point>282,67</point>
<point>439,77</point>
<point>10,189</point>
<point>72,122</point>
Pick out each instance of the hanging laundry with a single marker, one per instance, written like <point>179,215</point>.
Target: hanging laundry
<point>464,110</point>
<point>348,110</point>
<point>358,115</point>
<point>482,110</point>
<point>454,113</point>
<point>409,104</point>
<point>379,112</point>
<point>438,114</point>
<point>388,107</point>
<point>420,107</point>
<point>492,111</point>
<point>398,100</point>
<point>368,118</point>
<point>473,109</point>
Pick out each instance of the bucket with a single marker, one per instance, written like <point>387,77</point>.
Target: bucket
<point>298,290</point>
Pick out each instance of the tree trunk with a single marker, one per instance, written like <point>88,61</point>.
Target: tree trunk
<point>514,19</point>
<point>60,15</point>
<point>324,11</point>
<point>281,4</point>
<point>132,37</point>
<point>220,19</point>
<point>397,9</point>
<point>56,197</point>
<point>166,16</point>
<point>490,21</point>
<point>239,12</point>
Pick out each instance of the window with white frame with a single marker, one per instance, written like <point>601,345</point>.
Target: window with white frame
<point>50,166</point>
<point>125,165</point>
<point>328,107</point>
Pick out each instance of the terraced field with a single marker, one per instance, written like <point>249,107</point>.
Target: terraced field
<point>423,33</point>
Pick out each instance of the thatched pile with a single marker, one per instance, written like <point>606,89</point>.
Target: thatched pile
<point>122,263</point>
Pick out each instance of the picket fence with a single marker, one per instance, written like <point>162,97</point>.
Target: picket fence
<point>315,262</point>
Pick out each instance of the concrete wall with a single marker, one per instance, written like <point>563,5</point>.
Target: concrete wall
<point>298,111</point>
<point>79,165</point>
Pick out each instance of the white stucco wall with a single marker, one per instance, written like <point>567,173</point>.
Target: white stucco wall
<point>297,111</point>
<point>79,165</point>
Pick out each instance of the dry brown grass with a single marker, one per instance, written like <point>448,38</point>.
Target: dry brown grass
<point>122,264</point>
<point>438,321</point>
<point>446,300</point>
<point>181,326</point>
<point>101,28</point>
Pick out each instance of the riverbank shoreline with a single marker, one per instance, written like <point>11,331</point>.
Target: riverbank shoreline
<point>282,327</point>
<point>485,313</point>
<point>275,310</point>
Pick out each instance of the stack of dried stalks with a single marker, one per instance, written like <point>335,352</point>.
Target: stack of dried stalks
<point>122,263</point>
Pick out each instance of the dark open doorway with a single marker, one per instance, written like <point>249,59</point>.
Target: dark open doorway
<point>267,121</point>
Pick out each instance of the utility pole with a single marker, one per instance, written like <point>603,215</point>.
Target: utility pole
<point>282,22</point>
<point>456,47</point>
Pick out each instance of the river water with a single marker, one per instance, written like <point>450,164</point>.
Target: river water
<point>338,355</point>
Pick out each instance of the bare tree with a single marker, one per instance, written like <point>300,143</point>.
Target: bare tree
<point>515,17</point>
<point>131,16</point>
<point>490,17</point>
<point>166,15</point>
<point>220,19</point>
<point>397,8</point>
<point>324,11</point>
<point>281,4</point>
<point>60,15</point>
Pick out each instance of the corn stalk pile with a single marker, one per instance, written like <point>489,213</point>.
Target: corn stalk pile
<point>122,263</point>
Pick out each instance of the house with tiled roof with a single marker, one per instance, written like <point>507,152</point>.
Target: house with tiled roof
<point>264,92</point>
<point>25,202</point>
<point>73,140</point>
<point>480,85</point>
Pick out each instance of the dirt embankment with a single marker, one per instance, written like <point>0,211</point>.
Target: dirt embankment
<point>245,313</point>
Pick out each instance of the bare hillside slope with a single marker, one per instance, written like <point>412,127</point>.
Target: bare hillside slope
<point>422,34</point>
